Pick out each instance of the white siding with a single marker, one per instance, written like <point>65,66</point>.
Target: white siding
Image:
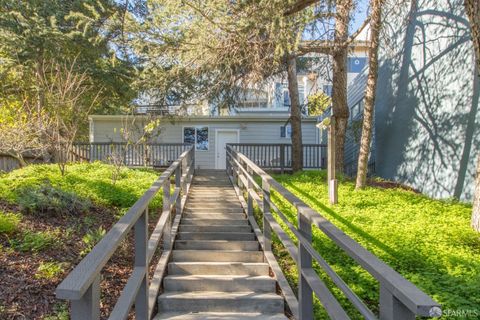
<point>251,131</point>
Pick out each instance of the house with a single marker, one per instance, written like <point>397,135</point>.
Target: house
<point>427,124</point>
<point>209,134</point>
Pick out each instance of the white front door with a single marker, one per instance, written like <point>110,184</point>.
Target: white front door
<point>223,137</point>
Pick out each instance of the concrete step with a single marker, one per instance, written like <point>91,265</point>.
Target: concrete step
<point>213,199</point>
<point>214,222</point>
<point>214,215</point>
<point>250,236</point>
<point>216,245</point>
<point>219,316</point>
<point>216,255</point>
<point>200,301</point>
<point>210,191</point>
<point>219,283</point>
<point>190,228</point>
<point>219,268</point>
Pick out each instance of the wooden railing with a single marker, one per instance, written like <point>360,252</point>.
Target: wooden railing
<point>279,156</point>
<point>399,298</point>
<point>128,154</point>
<point>82,285</point>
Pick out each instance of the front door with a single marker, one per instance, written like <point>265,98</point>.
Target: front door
<point>223,137</point>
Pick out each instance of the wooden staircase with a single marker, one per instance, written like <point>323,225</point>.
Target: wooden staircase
<point>216,269</point>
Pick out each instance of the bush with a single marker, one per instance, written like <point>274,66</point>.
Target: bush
<point>35,241</point>
<point>91,239</point>
<point>9,222</point>
<point>92,181</point>
<point>51,201</point>
<point>49,270</point>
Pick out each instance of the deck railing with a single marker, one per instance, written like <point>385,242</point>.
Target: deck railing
<point>279,156</point>
<point>399,298</point>
<point>128,154</point>
<point>82,285</point>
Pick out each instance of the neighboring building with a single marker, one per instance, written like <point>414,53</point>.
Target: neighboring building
<point>208,134</point>
<point>427,124</point>
<point>314,74</point>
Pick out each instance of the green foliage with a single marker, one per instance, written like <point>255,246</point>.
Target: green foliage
<point>60,313</point>
<point>318,103</point>
<point>46,199</point>
<point>9,222</point>
<point>49,270</point>
<point>32,241</point>
<point>427,241</point>
<point>90,181</point>
<point>91,238</point>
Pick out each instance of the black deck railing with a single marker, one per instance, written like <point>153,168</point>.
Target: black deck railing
<point>128,154</point>
<point>279,156</point>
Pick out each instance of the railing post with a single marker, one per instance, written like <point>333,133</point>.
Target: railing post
<point>249,190</point>
<point>391,308</point>
<point>141,248</point>
<point>305,294</point>
<point>267,232</point>
<point>88,307</point>
<point>178,184</point>
<point>167,237</point>
<point>282,158</point>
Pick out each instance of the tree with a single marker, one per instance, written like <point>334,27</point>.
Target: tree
<point>295,115</point>
<point>472,8</point>
<point>339,91</point>
<point>366,138</point>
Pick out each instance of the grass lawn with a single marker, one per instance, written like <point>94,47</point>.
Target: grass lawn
<point>429,242</point>
<point>48,222</point>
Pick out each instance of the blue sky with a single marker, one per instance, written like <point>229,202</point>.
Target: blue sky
<point>360,15</point>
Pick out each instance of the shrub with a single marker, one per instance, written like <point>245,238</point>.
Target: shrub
<point>91,238</point>
<point>49,270</point>
<point>49,200</point>
<point>35,241</point>
<point>9,222</point>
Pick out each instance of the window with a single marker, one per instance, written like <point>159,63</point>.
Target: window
<point>197,136</point>
<point>286,131</point>
<point>286,98</point>
<point>356,64</point>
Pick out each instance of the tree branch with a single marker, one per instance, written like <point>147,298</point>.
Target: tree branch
<point>356,33</point>
<point>299,6</point>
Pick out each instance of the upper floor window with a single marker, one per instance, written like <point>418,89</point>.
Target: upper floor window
<point>356,64</point>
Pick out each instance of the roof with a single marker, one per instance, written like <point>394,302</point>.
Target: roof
<point>272,117</point>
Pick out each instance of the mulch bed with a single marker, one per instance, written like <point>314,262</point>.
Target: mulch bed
<point>23,296</point>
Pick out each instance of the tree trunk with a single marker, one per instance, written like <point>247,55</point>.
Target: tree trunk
<point>472,8</point>
<point>375,26</point>
<point>339,90</point>
<point>295,115</point>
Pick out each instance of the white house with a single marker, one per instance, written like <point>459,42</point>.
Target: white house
<point>209,134</point>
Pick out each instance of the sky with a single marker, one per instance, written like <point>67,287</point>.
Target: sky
<point>360,15</point>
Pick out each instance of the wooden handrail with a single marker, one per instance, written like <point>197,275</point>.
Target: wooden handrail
<point>399,298</point>
<point>81,285</point>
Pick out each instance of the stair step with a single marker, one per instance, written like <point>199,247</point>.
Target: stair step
<point>216,245</point>
<point>219,268</point>
<point>216,236</point>
<point>217,255</point>
<point>213,210</point>
<point>219,316</point>
<point>226,283</point>
<point>238,229</point>
<point>214,222</point>
<point>214,215</point>
<point>199,301</point>
<point>211,197</point>
<point>214,206</point>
